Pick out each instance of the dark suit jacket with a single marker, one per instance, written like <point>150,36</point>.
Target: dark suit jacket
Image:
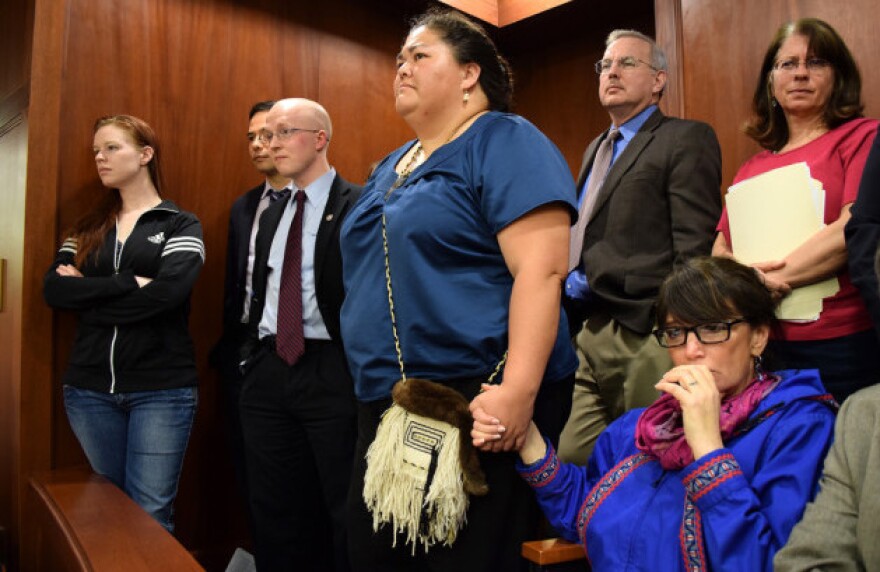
<point>328,260</point>
<point>241,221</point>
<point>659,205</point>
<point>863,235</point>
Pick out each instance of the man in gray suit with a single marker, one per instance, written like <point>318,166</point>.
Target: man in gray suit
<point>649,198</point>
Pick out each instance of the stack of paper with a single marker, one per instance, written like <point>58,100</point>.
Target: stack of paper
<point>772,214</point>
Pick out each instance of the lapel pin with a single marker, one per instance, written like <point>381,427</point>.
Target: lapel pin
<point>329,217</point>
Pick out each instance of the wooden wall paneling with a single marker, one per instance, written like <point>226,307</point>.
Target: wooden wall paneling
<point>720,68</point>
<point>35,374</point>
<point>16,29</point>
<point>356,87</point>
<point>365,123</point>
<point>667,14</point>
<point>13,163</point>
<point>723,44</point>
<point>552,55</point>
<point>16,35</point>
<point>557,90</point>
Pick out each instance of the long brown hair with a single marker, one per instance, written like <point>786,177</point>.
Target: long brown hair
<point>90,230</point>
<point>768,125</point>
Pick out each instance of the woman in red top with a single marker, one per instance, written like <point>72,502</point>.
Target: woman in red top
<point>808,109</point>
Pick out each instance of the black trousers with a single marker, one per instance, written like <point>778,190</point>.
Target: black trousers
<point>497,523</point>
<point>846,364</point>
<point>225,357</point>
<point>299,427</point>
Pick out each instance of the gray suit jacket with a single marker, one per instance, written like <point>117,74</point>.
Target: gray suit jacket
<point>840,530</point>
<point>659,205</point>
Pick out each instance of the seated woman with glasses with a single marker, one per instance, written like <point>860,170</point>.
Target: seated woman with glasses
<point>714,474</point>
<point>807,109</point>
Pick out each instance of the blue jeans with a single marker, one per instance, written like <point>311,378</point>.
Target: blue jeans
<point>137,440</point>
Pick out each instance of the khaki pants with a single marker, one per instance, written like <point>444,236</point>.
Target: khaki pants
<point>617,372</point>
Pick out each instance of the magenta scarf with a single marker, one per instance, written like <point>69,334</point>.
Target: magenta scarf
<point>660,433</point>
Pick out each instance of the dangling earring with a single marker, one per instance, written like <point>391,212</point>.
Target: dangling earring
<point>773,102</point>
<point>466,96</point>
<point>760,374</point>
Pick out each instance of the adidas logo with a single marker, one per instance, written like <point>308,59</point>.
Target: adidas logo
<point>157,238</point>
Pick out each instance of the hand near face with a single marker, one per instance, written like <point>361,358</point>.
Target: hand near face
<point>68,270</point>
<point>501,418</point>
<point>694,388</point>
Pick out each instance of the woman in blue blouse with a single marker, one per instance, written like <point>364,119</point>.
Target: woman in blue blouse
<point>713,475</point>
<point>478,209</point>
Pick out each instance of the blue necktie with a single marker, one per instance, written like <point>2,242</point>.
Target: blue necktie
<point>276,195</point>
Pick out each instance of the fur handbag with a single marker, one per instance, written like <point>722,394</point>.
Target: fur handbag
<point>422,466</point>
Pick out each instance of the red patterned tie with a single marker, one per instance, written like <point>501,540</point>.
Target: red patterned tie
<point>290,342</point>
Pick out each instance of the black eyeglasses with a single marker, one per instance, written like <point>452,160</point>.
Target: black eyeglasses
<point>711,333</point>
<point>625,63</point>
<point>266,136</point>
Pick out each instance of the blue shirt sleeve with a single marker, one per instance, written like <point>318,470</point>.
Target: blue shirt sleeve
<point>747,519</point>
<point>562,488</point>
<point>519,170</point>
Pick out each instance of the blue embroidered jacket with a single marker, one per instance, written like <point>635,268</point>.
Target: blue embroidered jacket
<point>729,510</point>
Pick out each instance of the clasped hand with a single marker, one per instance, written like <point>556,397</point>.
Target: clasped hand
<point>489,433</point>
<point>768,272</point>
<point>68,270</point>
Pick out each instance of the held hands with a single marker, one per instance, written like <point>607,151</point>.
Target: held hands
<point>769,275</point>
<point>489,433</point>
<point>694,388</point>
<point>486,428</point>
<point>68,270</point>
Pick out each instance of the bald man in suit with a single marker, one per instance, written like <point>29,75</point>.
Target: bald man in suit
<point>297,403</point>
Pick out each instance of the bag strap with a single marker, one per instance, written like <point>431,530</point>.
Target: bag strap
<point>397,347</point>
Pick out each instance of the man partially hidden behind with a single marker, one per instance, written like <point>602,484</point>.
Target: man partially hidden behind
<point>243,224</point>
<point>297,403</point>
<point>649,198</point>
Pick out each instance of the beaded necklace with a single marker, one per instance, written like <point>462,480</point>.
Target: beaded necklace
<point>407,171</point>
<point>417,150</point>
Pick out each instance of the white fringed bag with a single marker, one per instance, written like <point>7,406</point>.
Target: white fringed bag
<point>422,466</point>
